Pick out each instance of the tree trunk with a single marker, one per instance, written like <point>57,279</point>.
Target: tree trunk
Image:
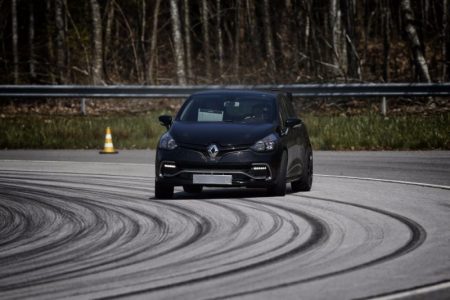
<point>107,39</point>
<point>414,41</point>
<point>307,34</point>
<point>32,59</point>
<point>178,42</point>
<point>97,44</point>
<point>206,44</point>
<point>285,34</point>
<point>270,52</point>
<point>60,37</point>
<point>386,42</point>
<point>219,37</point>
<point>348,14</point>
<point>153,44</point>
<point>254,32</point>
<point>50,50</point>
<point>15,38</point>
<point>445,42</point>
<point>142,42</point>
<point>188,41</point>
<point>335,35</point>
<point>238,36</point>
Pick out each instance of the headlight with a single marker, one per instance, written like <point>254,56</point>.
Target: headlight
<point>167,142</point>
<point>266,144</point>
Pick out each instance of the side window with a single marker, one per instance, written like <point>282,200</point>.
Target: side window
<point>282,110</point>
<point>290,108</point>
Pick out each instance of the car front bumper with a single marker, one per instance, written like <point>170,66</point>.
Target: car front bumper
<point>242,167</point>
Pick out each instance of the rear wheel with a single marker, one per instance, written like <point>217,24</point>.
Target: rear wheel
<point>194,189</point>
<point>304,183</point>
<point>163,191</point>
<point>279,188</point>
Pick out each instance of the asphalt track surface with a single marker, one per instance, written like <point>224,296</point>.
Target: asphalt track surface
<point>75,224</point>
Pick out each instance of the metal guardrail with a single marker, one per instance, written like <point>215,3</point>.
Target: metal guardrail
<point>298,90</point>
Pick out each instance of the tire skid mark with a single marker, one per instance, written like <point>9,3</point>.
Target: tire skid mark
<point>202,229</point>
<point>195,259</point>
<point>71,239</point>
<point>418,237</point>
<point>104,230</point>
<point>49,199</point>
<point>320,234</point>
<point>101,246</point>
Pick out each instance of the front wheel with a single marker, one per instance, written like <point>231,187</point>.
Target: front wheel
<point>279,188</point>
<point>304,183</point>
<point>163,191</point>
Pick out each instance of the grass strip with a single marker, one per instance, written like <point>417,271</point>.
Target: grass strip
<point>367,132</point>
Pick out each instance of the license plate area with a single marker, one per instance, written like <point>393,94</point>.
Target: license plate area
<point>212,179</point>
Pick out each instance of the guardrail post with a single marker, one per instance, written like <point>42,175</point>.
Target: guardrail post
<point>83,106</point>
<point>383,106</point>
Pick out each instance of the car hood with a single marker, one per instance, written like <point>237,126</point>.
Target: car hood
<point>224,134</point>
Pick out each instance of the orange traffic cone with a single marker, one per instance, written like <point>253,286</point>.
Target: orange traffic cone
<point>109,148</point>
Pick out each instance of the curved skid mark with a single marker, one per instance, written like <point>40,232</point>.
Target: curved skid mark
<point>418,237</point>
<point>86,214</point>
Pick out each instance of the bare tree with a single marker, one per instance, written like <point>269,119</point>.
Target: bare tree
<point>219,36</point>
<point>414,41</point>
<point>178,42</point>
<point>142,42</point>
<point>31,34</point>
<point>97,44</point>
<point>238,36</point>
<point>50,51</point>
<point>250,8</point>
<point>153,44</point>
<point>338,51</point>
<point>107,35</point>
<point>187,39</point>
<point>270,52</point>
<point>348,14</point>
<point>15,38</point>
<point>285,33</point>
<point>386,42</point>
<point>445,42</point>
<point>60,38</point>
<point>206,42</point>
<point>316,40</point>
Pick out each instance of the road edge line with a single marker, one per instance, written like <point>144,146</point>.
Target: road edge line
<point>444,187</point>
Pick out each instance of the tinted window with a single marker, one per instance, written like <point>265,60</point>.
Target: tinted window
<point>290,108</point>
<point>226,108</point>
<point>283,111</point>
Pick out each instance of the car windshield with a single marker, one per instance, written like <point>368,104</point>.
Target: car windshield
<point>226,108</point>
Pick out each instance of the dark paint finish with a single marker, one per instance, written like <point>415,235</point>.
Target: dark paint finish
<point>234,140</point>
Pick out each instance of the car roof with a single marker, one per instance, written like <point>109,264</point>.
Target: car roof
<point>237,92</point>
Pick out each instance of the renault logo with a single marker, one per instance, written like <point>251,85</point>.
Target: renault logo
<point>213,150</point>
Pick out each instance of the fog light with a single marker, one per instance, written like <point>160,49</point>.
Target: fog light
<point>259,168</point>
<point>261,171</point>
<point>170,166</point>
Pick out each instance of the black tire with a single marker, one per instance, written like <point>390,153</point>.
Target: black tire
<point>193,189</point>
<point>163,191</point>
<point>279,188</point>
<point>304,183</point>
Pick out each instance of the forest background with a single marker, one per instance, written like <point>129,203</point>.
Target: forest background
<point>170,42</point>
<point>223,41</point>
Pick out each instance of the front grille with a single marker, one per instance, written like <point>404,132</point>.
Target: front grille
<point>240,174</point>
<point>223,149</point>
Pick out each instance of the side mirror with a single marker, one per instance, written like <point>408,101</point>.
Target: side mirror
<point>166,121</point>
<point>292,122</point>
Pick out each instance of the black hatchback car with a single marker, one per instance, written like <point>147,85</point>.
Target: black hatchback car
<point>233,138</point>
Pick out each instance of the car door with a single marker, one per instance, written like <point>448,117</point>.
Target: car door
<point>299,147</point>
<point>290,138</point>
